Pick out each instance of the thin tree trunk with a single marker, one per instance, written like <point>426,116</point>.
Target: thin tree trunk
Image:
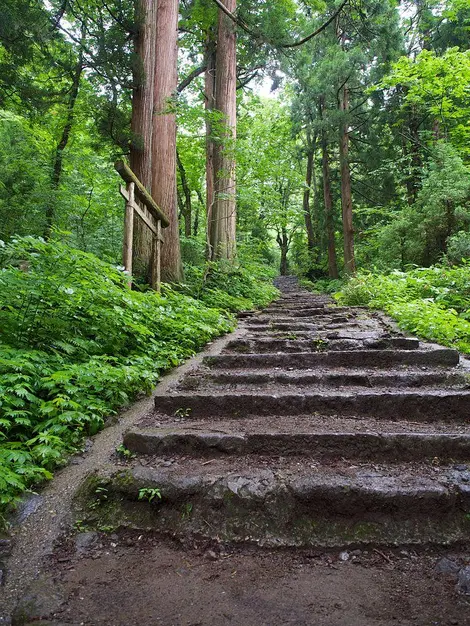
<point>199,205</point>
<point>209,93</point>
<point>413,181</point>
<point>186,204</point>
<point>223,219</point>
<point>164,135</point>
<point>141,127</point>
<point>328,198</point>
<point>283,242</point>
<point>346,196</point>
<point>306,198</point>
<point>58,162</point>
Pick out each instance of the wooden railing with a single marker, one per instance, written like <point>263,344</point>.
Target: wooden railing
<point>138,200</point>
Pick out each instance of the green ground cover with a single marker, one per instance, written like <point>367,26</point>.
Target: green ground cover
<point>432,303</point>
<point>76,345</point>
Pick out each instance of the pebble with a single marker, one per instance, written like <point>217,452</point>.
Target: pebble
<point>344,556</point>
<point>5,547</point>
<point>85,541</point>
<point>446,566</point>
<point>463,583</point>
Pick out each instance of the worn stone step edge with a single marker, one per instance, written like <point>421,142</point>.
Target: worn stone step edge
<point>304,327</point>
<point>388,446</point>
<point>302,378</point>
<point>307,492</point>
<point>265,345</point>
<point>350,358</point>
<point>283,315</point>
<point>430,406</point>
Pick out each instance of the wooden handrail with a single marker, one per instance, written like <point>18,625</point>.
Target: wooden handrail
<point>128,175</point>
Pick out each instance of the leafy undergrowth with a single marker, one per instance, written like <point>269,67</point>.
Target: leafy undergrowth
<point>76,344</point>
<point>432,303</point>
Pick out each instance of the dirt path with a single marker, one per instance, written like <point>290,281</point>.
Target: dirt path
<point>311,468</point>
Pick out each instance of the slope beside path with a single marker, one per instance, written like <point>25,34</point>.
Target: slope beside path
<point>316,454</point>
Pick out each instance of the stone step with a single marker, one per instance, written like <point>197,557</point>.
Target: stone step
<point>319,332</point>
<point>309,327</point>
<point>313,311</point>
<point>269,345</point>
<point>332,378</point>
<point>430,405</point>
<point>352,358</point>
<point>291,505</point>
<point>291,316</point>
<point>295,306</point>
<point>389,442</point>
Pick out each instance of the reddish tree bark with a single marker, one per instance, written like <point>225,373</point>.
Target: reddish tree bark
<point>164,135</point>
<point>346,196</point>
<point>222,227</point>
<point>141,127</point>
<point>209,93</point>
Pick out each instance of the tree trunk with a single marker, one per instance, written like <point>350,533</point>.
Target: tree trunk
<point>413,181</point>
<point>186,203</point>
<point>283,241</point>
<point>199,205</point>
<point>223,219</point>
<point>306,198</point>
<point>346,196</point>
<point>328,198</point>
<point>164,135</point>
<point>141,128</point>
<point>57,166</point>
<point>209,93</point>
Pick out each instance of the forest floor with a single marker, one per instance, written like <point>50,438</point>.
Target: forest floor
<point>139,578</point>
<point>60,570</point>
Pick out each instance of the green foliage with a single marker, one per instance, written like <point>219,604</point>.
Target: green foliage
<point>150,493</point>
<point>76,344</point>
<point>439,85</point>
<point>433,303</point>
<point>458,248</point>
<point>229,286</point>
<point>421,233</point>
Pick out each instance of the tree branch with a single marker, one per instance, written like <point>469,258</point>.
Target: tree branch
<point>319,30</point>
<point>191,76</point>
<point>259,35</point>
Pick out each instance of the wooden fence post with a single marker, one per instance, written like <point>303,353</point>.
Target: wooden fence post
<point>152,216</point>
<point>128,230</point>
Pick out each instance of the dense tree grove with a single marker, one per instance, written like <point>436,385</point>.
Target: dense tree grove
<point>320,137</point>
<point>358,156</point>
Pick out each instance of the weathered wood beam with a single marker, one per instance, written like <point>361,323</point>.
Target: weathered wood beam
<point>150,221</point>
<point>128,175</point>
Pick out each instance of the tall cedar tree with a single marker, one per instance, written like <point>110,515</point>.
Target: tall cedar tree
<point>222,224</point>
<point>164,134</point>
<point>141,127</point>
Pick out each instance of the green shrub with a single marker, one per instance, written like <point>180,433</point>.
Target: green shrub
<point>433,303</point>
<point>76,344</point>
<point>232,287</point>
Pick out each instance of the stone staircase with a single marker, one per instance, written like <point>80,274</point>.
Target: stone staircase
<point>316,425</point>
